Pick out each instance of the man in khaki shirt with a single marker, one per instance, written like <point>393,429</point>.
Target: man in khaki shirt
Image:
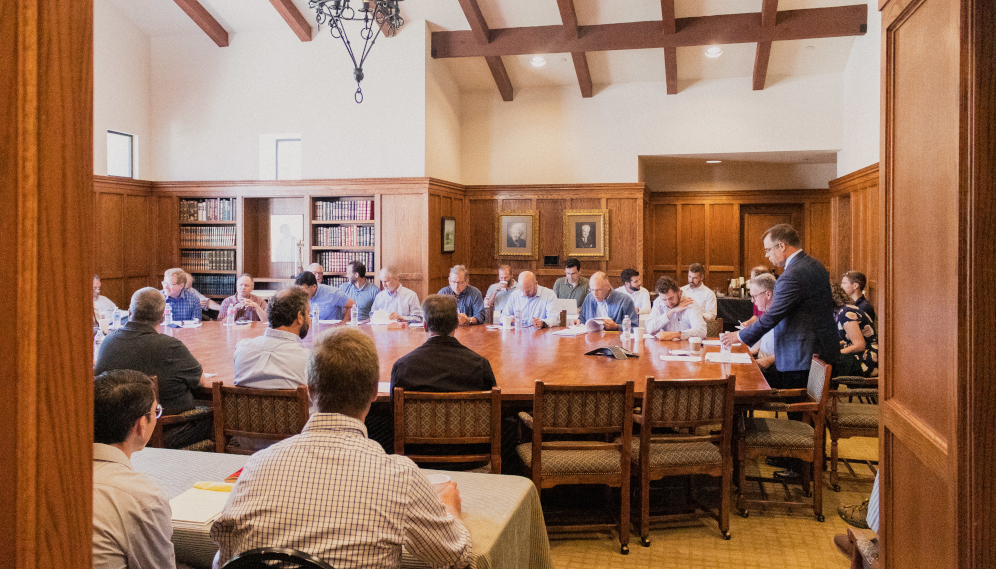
<point>132,525</point>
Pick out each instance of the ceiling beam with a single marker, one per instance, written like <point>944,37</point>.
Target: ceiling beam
<point>570,19</point>
<point>481,35</point>
<point>294,18</point>
<point>670,52</point>
<point>769,16</point>
<point>810,23</point>
<point>204,21</point>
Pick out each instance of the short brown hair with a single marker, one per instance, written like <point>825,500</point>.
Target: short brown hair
<point>783,233</point>
<point>857,278</point>
<point>440,312</point>
<point>283,309</point>
<point>343,371</point>
<point>665,284</point>
<point>696,268</point>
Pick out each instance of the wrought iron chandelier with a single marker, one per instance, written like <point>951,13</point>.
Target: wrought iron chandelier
<point>375,16</point>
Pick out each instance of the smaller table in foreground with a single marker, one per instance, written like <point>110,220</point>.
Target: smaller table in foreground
<point>503,513</point>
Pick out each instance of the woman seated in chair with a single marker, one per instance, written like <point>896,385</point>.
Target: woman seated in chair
<point>858,341</point>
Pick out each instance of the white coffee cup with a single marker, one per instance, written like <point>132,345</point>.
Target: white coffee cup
<point>506,320</point>
<point>639,332</point>
<point>695,342</point>
<point>439,481</point>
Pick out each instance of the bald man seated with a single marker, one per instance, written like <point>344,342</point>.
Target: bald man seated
<point>607,304</point>
<point>534,303</point>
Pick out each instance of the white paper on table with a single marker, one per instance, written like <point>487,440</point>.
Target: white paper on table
<point>191,323</point>
<point>416,325</point>
<point>380,317</point>
<point>210,375</point>
<point>383,387</point>
<point>198,506</point>
<point>679,352</point>
<point>330,321</point>
<point>715,343</point>
<point>681,358</point>
<point>572,331</point>
<point>740,358</point>
<point>649,336</point>
<point>595,325</point>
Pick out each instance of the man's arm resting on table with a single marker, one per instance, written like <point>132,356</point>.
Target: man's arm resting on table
<point>437,536</point>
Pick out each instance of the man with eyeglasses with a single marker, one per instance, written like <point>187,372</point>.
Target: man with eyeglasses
<point>184,304</point>
<point>762,287</point>
<point>132,524</point>
<point>470,301</point>
<point>139,346</point>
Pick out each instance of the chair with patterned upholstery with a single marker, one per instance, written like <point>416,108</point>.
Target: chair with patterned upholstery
<point>256,416</point>
<point>570,412</point>
<point>167,422</point>
<point>449,427</point>
<point>681,404</point>
<point>714,328</point>
<point>848,418</point>
<point>773,437</point>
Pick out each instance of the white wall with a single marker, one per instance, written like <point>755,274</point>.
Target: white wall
<point>442,119</point>
<point>121,85</point>
<point>211,104</point>
<point>553,135</point>
<point>861,117</point>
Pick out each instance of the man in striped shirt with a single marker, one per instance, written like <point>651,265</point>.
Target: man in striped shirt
<point>334,493</point>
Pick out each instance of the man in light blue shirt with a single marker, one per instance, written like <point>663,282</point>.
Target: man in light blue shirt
<point>470,302</point>
<point>533,302</point>
<point>499,293</point>
<point>277,359</point>
<point>359,289</point>
<point>675,316</point>
<point>607,304</point>
<point>400,302</point>
<point>330,303</point>
<point>184,304</point>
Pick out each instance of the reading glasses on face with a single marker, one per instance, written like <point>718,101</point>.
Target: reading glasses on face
<point>159,411</point>
<point>768,249</point>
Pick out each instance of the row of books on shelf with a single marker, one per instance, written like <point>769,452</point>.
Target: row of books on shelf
<point>207,260</point>
<point>215,285</point>
<point>345,236</point>
<point>335,280</point>
<point>215,209</point>
<point>344,210</point>
<point>336,261</point>
<point>207,237</point>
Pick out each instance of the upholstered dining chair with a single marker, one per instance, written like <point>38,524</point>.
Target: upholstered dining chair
<point>681,405</point>
<point>568,413</point>
<point>714,328</point>
<point>803,439</point>
<point>275,558</point>
<point>446,425</point>
<point>851,412</point>
<point>168,421</point>
<point>255,414</point>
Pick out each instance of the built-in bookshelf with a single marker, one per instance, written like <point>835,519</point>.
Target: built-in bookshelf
<point>208,243</point>
<point>343,230</point>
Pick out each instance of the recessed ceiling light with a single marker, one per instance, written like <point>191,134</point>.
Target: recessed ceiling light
<point>714,51</point>
<point>713,161</point>
<point>537,61</point>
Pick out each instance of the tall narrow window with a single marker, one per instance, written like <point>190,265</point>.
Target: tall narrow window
<point>120,154</point>
<point>288,159</point>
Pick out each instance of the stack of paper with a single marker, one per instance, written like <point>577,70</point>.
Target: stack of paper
<point>571,331</point>
<point>682,358</point>
<point>197,508</point>
<point>717,357</point>
<point>715,343</point>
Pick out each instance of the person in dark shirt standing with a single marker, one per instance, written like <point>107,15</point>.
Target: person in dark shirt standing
<point>442,364</point>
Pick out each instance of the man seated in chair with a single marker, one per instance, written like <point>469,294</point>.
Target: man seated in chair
<point>334,493</point>
<point>533,302</point>
<point>442,363</point>
<point>607,304</point>
<point>674,316</point>
<point>329,302</point>
<point>277,359</point>
<point>131,514</point>
<point>140,347</point>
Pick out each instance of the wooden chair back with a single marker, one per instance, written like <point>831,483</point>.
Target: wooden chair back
<point>156,440</point>
<point>714,328</point>
<point>269,414</point>
<point>687,404</point>
<point>463,418</point>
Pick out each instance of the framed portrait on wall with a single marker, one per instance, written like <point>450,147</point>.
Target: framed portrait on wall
<point>517,234</point>
<point>586,233</point>
<point>448,235</point>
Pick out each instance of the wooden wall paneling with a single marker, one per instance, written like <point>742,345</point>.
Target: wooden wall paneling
<point>551,212</point>
<point>856,243</point>
<point>481,252</point>
<point>625,249</point>
<point>405,242</point>
<point>167,235</point>
<point>818,232</point>
<point>664,246</point>
<point>136,225</point>
<point>111,244</point>
<point>723,225</point>
<point>692,247</point>
<point>46,172</point>
<point>842,235</point>
<point>585,203</point>
<point>252,215</point>
<point>438,263</point>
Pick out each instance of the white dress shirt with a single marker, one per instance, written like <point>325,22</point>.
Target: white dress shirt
<point>539,306</point>
<point>404,301</point>
<point>275,360</point>
<point>688,321</point>
<point>103,304</point>
<point>641,298</point>
<point>704,297</point>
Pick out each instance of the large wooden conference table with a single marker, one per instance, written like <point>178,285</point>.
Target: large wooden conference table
<point>518,357</point>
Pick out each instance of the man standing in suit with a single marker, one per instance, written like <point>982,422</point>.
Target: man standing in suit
<point>800,313</point>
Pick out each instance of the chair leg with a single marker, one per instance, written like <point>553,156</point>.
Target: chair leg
<point>724,502</point>
<point>624,520</point>
<point>834,479</point>
<point>741,484</point>
<point>645,509</point>
<point>818,485</point>
<point>807,469</point>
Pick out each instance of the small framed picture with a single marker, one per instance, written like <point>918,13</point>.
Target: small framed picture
<point>448,235</point>
<point>517,234</point>
<point>586,233</point>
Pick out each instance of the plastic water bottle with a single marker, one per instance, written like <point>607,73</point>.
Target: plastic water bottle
<point>354,316</point>
<point>98,339</point>
<point>230,318</point>
<point>169,315</point>
<point>627,326</point>
<point>519,325</point>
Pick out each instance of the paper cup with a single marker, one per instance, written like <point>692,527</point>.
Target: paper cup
<point>439,481</point>
<point>696,343</point>
<point>506,320</point>
<point>639,332</point>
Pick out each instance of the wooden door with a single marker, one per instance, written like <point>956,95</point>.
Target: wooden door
<point>755,220</point>
<point>937,427</point>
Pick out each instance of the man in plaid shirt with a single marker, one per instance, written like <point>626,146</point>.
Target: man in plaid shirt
<point>334,493</point>
<point>184,304</point>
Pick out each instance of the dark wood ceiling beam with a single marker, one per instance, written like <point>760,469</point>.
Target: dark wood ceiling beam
<point>769,16</point>
<point>294,18</point>
<point>570,19</point>
<point>669,28</point>
<point>482,36</point>
<point>810,23</point>
<point>204,21</point>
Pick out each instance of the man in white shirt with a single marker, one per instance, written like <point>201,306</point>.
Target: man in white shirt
<point>277,360</point>
<point>400,302</point>
<point>533,302</point>
<point>499,293</point>
<point>132,524</point>
<point>701,294</point>
<point>633,286</point>
<point>674,316</point>
<point>101,304</point>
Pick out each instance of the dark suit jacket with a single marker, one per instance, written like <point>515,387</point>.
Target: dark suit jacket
<point>801,313</point>
<point>141,347</point>
<point>442,365</point>
<point>515,242</point>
